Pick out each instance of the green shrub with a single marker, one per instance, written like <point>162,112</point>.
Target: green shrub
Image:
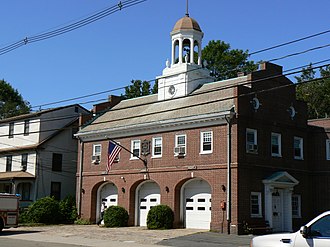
<point>68,210</point>
<point>115,216</point>
<point>45,210</point>
<point>160,217</point>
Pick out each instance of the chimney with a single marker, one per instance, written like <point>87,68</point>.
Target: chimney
<point>271,68</point>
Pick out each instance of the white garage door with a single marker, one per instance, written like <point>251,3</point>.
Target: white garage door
<point>149,196</point>
<point>109,195</point>
<point>197,204</point>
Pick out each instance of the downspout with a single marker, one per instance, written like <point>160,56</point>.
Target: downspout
<point>79,194</point>
<point>229,189</point>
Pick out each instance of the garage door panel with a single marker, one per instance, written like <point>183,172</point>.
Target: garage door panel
<point>149,196</point>
<point>197,205</point>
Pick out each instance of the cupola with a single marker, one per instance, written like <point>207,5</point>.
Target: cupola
<point>184,73</point>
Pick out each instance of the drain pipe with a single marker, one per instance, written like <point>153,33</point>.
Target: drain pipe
<point>229,124</point>
<point>79,194</point>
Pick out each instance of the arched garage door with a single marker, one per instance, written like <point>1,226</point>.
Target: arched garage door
<point>109,195</point>
<point>197,204</point>
<point>148,196</point>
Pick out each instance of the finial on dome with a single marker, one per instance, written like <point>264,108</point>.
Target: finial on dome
<point>187,9</point>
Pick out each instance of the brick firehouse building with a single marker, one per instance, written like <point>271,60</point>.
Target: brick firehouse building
<point>221,154</point>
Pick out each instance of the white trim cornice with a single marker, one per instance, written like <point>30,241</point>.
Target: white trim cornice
<point>157,126</point>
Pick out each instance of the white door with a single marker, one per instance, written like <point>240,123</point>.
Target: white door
<point>277,213</point>
<point>109,195</point>
<point>149,196</point>
<point>197,204</point>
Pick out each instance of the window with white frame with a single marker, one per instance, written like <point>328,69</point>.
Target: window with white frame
<point>180,145</point>
<point>206,142</point>
<point>327,143</point>
<point>296,206</point>
<point>96,158</point>
<point>298,148</point>
<point>251,141</point>
<point>97,149</point>
<point>135,149</point>
<point>276,145</point>
<point>157,147</point>
<point>255,204</point>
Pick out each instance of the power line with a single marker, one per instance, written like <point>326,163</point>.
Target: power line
<point>71,27</point>
<point>70,116</point>
<point>289,42</point>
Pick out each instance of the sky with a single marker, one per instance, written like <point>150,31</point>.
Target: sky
<point>134,43</point>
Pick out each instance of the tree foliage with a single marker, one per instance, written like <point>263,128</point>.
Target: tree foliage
<point>224,62</point>
<point>11,102</point>
<point>316,93</point>
<point>140,88</point>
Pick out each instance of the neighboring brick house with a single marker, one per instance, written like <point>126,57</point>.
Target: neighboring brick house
<point>196,135</point>
<point>38,153</point>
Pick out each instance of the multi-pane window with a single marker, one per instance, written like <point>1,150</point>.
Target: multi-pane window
<point>298,148</point>
<point>276,145</point>
<point>206,142</point>
<point>24,162</point>
<point>57,162</point>
<point>96,157</point>
<point>157,147</point>
<point>136,148</point>
<point>9,161</point>
<point>255,204</point>
<point>11,130</point>
<point>180,145</point>
<point>26,127</point>
<point>327,143</point>
<point>97,149</point>
<point>55,190</point>
<point>251,141</point>
<point>296,206</point>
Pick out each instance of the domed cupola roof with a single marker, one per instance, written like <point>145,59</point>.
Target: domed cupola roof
<point>186,23</point>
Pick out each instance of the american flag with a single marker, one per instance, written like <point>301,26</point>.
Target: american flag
<point>113,152</point>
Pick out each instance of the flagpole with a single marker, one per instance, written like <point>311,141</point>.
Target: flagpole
<point>143,160</point>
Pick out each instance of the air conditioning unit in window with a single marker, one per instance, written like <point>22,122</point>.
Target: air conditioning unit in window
<point>252,148</point>
<point>96,159</point>
<point>179,151</point>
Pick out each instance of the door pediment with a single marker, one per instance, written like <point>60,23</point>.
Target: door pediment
<point>281,179</point>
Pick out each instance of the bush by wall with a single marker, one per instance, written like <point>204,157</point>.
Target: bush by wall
<point>68,210</point>
<point>160,217</point>
<point>115,216</point>
<point>45,210</point>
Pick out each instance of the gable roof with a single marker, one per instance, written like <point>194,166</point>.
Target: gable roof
<point>37,113</point>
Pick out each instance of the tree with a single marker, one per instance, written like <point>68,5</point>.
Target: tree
<point>316,93</point>
<point>223,62</point>
<point>11,102</point>
<point>140,88</point>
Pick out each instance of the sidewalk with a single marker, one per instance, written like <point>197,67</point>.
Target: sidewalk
<point>94,236</point>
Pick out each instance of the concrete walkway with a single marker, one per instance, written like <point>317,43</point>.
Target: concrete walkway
<point>94,236</point>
